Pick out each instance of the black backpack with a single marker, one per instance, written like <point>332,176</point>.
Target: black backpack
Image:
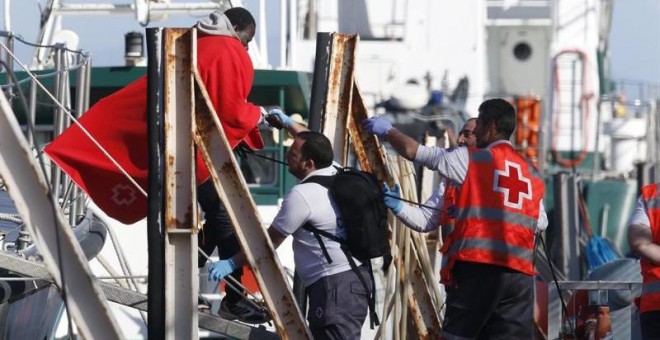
<point>359,198</point>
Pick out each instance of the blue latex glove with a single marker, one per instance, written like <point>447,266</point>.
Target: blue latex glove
<point>279,115</point>
<point>377,126</point>
<point>220,269</point>
<point>392,198</point>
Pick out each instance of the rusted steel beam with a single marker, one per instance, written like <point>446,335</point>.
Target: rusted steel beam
<point>180,209</point>
<point>242,211</point>
<point>371,157</point>
<point>339,95</point>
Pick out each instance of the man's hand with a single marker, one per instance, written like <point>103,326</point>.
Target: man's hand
<point>219,270</point>
<point>277,118</point>
<point>377,125</point>
<point>392,198</point>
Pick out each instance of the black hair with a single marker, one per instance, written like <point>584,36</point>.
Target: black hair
<point>501,113</point>
<point>240,17</point>
<point>317,147</point>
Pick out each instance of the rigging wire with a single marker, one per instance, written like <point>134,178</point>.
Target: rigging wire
<point>59,46</point>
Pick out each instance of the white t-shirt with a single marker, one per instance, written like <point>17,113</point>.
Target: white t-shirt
<point>453,164</point>
<point>311,202</point>
<point>639,215</point>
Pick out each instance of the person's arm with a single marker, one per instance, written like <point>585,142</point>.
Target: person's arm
<point>295,128</point>
<point>278,119</point>
<point>403,144</point>
<point>640,240</point>
<point>292,215</point>
<point>640,237</point>
<point>450,163</point>
<point>542,221</point>
<point>421,219</point>
<point>451,136</point>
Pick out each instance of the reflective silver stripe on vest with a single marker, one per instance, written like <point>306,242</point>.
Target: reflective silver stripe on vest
<point>491,245</point>
<point>481,156</point>
<point>651,288</point>
<point>447,230</point>
<point>497,215</point>
<point>653,203</point>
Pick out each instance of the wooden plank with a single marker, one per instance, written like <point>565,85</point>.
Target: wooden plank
<point>242,211</point>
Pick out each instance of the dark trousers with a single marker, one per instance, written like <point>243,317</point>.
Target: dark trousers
<point>650,324</point>
<point>217,232</point>
<point>489,302</point>
<point>338,306</point>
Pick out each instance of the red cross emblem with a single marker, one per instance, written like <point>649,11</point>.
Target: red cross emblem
<point>123,194</point>
<point>513,185</point>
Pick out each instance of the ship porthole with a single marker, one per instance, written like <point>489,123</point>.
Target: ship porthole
<point>522,51</point>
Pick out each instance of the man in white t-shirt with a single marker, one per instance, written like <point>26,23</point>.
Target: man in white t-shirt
<point>338,302</point>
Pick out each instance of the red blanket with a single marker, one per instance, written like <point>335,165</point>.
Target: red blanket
<point>118,122</point>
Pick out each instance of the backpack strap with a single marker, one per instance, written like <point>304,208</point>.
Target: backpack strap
<point>371,293</point>
<point>325,181</point>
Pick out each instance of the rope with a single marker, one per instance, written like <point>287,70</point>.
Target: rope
<point>244,151</point>
<point>75,121</point>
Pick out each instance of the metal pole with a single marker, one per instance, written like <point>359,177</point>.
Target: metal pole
<point>156,286</point>
<point>320,80</point>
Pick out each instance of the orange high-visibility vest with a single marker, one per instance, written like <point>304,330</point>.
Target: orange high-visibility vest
<point>497,210</point>
<point>446,221</point>
<point>650,298</point>
<point>448,213</point>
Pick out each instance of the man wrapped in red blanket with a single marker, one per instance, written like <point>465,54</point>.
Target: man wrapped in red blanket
<point>119,123</point>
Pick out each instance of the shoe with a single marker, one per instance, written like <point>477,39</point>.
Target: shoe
<point>203,305</point>
<point>243,311</point>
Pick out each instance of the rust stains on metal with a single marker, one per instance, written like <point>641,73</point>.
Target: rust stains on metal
<point>417,318</point>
